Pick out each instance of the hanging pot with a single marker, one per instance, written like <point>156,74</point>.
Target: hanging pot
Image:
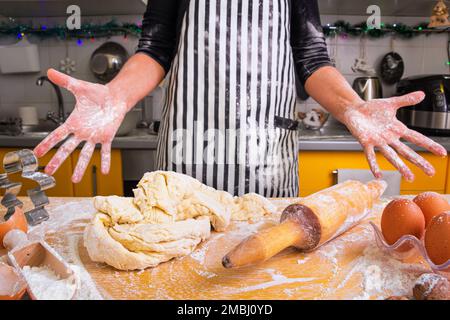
<point>392,68</point>
<point>107,61</point>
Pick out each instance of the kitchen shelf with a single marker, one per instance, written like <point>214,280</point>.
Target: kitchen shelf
<point>401,8</point>
<point>55,8</point>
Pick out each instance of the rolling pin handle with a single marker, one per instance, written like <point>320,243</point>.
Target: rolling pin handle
<point>308,221</point>
<point>15,239</point>
<point>299,228</point>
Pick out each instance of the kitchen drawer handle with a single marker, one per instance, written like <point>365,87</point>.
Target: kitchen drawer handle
<point>335,176</point>
<point>94,180</point>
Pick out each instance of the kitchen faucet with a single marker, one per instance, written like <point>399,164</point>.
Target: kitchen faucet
<point>61,117</point>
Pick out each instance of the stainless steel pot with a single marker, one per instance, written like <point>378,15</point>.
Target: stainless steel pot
<point>107,61</point>
<point>368,88</point>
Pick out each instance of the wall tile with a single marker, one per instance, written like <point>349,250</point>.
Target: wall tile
<point>436,41</point>
<point>413,60</point>
<point>8,110</point>
<point>346,57</point>
<point>56,54</point>
<point>82,55</point>
<point>435,60</point>
<point>44,57</point>
<point>35,93</point>
<point>417,42</point>
<point>12,88</point>
<point>375,55</point>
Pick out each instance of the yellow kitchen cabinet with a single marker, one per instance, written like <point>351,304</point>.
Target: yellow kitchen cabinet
<point>64,186</point>
<point>94,182</point>
<point>316,171</point>
<point>447,183</point>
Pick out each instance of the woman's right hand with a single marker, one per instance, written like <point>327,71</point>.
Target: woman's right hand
<point>96,118</point>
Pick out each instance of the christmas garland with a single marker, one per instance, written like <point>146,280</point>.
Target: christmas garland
<point>113,28</point>
<point>86,31</point>
<point>346,29</point>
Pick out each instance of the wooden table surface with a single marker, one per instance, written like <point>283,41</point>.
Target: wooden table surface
<point>349,267</point>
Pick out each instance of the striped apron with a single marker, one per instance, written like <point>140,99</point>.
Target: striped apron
<point>230,94</point>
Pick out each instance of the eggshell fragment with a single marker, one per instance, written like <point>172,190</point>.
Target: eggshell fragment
<point>431,204</point>
<point>402,217</point>
<point>431,286</point>
<point>437,238</point>
<point>12,286</point>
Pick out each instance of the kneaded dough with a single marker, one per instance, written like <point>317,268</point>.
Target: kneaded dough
<point>140,246</point>
<point>119,209</point>
<point>251,206</point>
<point>168,217</point>
<point>164,197</point>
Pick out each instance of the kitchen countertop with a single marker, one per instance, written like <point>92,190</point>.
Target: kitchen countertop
<point>138,139</point>
<point>331,138</point>
<point>338,138</point>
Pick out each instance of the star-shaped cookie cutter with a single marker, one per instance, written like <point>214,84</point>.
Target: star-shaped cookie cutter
<point>26,162</point>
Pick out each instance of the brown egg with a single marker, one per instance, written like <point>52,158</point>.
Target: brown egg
<point>402,217</point>
<point>431,204</point>
<point>437,238</point>
<point>16,221</point>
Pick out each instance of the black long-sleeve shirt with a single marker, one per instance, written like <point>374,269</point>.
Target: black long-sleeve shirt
<point>162,25</point>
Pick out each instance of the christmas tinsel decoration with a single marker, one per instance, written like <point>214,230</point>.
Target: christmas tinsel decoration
<point>357,30</point>
<point>113,28</point>
<point>86,31</point>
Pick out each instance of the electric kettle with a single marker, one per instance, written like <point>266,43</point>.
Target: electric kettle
<point>368,88</point>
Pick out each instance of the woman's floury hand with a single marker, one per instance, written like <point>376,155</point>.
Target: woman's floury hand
<point>375,125</point>
<point>96,118</point>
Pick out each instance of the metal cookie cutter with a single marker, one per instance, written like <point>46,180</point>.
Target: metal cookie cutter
<point>26,162</point>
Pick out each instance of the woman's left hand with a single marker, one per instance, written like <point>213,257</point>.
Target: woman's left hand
<point>375,125</point>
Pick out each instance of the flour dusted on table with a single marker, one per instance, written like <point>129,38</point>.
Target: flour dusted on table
<point>383,274</point>
<point>64,229</point>
<point>46,285</point>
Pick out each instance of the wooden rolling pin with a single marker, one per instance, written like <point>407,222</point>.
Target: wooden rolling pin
<point>311,222</point>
